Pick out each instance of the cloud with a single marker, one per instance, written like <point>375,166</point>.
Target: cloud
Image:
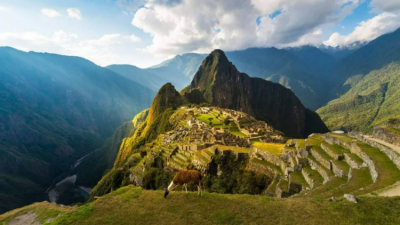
<point>4,9</point>
<point>106,40</point>
<point>385,5</point>
<point>133,38</point>
<point>74,13</point>
<point>367,30</point>
<point>50,12</point>
<point>181,26</point>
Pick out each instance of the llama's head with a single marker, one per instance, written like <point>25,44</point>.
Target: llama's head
<point>166,193</point>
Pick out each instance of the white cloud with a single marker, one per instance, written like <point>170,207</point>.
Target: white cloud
<point>106,40</point>
<point>105,50</point>
<point>133,38</point>
<point>385,5</point>
<point>367,30</point>
<point>179,26</point>
<point>4,9</point>
<point>74,13</point>
<point>50,12</point>
<point>31,37</point>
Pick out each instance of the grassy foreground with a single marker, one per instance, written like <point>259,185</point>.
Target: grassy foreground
<point>132,205</point>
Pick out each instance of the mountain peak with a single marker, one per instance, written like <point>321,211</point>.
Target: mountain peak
<point>224,86</point>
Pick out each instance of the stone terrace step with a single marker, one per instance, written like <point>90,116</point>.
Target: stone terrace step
<point>264,167</point>
<point>392,151</point>
<point>354,161</point>
<point>334,151</point>
<point>359,179</point>
<point>317,167</point>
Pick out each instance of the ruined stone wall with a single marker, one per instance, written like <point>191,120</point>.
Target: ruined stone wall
<point>308,178</point>
<point>272,158</point>
<point>199,164</point>
<point>358,151</point>
<point>260,168</point>
<point>319,169</point>
<point>338,171</point>
<point>336,141</point>
<point>331,153</point>
<point>353,164</point>
<point>322,160</point>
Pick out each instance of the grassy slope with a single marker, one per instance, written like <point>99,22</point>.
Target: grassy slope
<point>130,205</point>
<point>371,101</point>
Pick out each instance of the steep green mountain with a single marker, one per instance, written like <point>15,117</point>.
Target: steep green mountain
<point>366,84</point>
<point>224,86</point>
<point>92,168</point>
<point>373,56</point>
<point>54,110</point>
<point>371,101</point>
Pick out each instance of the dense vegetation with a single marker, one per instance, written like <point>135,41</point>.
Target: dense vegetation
<point>374,99</point>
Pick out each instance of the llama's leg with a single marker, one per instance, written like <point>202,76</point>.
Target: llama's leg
<point>172,186</point>
<point>185,187</point>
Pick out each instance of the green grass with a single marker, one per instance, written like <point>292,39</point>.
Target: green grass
<point>206,118</point>
<point>342,137</point>
<point>233,129</point>
<point>360,179</point>
<point>388,173</point>
<point>270,147</point>
<point>337,148</point>
<point>301,143</point>
<point>297,177</point>
<point>179,208</point>
<point>43,210</point>
<point>314,175</point>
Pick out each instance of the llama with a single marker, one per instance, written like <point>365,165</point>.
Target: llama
<point>182,178</point>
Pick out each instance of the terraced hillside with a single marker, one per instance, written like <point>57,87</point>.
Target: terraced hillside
<point>216,141</point>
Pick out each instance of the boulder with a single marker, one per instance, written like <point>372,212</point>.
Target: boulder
<point>350,198</point>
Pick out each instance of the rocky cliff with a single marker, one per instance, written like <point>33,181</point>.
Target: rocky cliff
<point>224,86</point>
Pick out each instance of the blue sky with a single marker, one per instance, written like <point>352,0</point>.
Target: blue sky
<point>146,32</point>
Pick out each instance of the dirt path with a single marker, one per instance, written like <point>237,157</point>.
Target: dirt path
<point>394,147</point>
<point>391,191</point>
<point>26,219</point>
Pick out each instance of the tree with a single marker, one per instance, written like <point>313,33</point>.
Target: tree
<point>210,119</point>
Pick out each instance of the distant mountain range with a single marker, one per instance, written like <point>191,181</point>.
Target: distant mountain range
<point>54,110</point>
<point>317,75</point>
<point>305,70</point>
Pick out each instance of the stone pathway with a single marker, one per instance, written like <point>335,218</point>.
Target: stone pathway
<point>394,147</point>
